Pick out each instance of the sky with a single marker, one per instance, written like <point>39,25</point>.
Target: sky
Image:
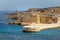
<point>26,4</point>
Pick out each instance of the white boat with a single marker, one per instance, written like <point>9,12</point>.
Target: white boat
<point>31,28</point>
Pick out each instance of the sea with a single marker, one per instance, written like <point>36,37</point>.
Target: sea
<point>14,32</point>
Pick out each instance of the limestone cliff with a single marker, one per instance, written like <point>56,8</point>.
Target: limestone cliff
<point>28,15</point>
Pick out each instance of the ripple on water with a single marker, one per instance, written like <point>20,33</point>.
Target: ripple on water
<point>14,32</point>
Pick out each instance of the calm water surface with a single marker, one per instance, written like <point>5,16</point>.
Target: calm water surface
<point>14,32</point>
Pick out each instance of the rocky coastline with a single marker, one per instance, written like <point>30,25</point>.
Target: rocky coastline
<point>26,16</point>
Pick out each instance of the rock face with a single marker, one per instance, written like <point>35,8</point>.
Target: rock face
<point>30,14</point>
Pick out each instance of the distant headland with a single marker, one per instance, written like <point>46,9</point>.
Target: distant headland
<point>23,18</point>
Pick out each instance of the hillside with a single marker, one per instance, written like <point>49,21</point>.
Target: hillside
<point>28,15</point>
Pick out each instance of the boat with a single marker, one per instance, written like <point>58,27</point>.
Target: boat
<point>31,28</point>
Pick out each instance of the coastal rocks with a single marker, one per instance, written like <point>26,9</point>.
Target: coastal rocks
<point>17,23</point>
<point>12,16</point>
<point>30,14</point>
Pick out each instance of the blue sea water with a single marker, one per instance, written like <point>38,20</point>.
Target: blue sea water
<point>14,32</point>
